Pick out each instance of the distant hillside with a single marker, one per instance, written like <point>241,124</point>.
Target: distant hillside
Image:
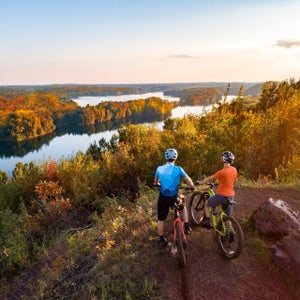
<point>254,90</point>
<point>68,91</point>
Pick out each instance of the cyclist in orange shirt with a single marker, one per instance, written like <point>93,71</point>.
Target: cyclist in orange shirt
<point>225,193</point>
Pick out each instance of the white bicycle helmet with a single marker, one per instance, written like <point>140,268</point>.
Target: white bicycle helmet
<point>171,154</point>
<point>227,157</point>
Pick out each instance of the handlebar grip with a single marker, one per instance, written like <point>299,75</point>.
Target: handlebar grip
<point>156,184</point>
<point>180,187</point>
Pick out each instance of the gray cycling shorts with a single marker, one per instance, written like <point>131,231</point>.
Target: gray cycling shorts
<point>219,199</point>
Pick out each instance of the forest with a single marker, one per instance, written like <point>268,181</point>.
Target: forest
<point>29,114</point>
<point>262,132</point>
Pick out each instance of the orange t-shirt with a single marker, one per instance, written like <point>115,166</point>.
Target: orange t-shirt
<point>226,178</point>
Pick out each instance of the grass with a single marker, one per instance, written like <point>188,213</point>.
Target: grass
<point>114,258</point>
<point>267,183</point>
<point>111,260</point>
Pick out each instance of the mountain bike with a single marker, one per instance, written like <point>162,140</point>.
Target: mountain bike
<point>179,243</point>
<point>230,237</point>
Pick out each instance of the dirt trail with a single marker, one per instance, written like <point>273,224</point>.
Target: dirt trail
<point>210,276</point>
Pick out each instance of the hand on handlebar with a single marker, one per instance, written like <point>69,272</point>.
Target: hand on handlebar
<point>189,188</point>
<point>184,187</point>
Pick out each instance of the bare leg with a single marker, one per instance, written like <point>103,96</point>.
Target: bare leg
<point>185,215</point>
<point>206,209</point>
<point>160,227</point>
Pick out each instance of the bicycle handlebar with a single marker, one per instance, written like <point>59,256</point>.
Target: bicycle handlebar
<point>156,184</point>
<point>187,188</point>
<point>179,187</point>
<point>211,184</point>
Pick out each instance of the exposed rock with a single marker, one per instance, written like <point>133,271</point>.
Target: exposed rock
<point>276,217</point>
<point>286,253</point>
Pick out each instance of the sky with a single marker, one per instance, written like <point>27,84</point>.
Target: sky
<point>148,41</point>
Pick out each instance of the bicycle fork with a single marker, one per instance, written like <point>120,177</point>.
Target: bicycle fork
<point>173,246</point>
<point>177,220</point>
<point>223,227</point>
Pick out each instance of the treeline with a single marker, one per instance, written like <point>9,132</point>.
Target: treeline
<point>67,92</point>
<point>37,200</point>
<point>197,95</point>
<point>71,91</point>
<point>209,94</point>
<point>29,116</point>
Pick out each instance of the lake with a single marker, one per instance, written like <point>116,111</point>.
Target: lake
<point>66,146</point>
<point>94,100</point>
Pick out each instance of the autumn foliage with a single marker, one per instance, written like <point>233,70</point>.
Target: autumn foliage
<point>38,200</point>
<point>29,116</point>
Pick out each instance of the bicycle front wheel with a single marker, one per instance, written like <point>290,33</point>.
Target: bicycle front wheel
<point>180,245</point>
<point>196,206</point>
<point>231,242</point>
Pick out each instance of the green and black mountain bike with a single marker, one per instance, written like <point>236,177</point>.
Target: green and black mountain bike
<point>230,237</point>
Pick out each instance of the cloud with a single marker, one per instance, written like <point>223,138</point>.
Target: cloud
<point>288,43</point>
<point>183,56</point>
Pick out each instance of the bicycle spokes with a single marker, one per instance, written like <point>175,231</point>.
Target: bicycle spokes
<point>230,238</point>
<point>195,207</point>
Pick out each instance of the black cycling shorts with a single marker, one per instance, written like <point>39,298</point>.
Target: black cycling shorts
<point>163,205</point>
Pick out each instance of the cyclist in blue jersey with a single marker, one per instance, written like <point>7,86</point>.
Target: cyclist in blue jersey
<point>168,177</point>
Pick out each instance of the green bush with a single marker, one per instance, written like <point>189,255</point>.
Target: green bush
<point>79,179</point>
<point>13,244</point>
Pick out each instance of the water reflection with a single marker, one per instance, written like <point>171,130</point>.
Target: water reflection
<point>66,142</point>
<point>20,149</point>
<point>94,100</point>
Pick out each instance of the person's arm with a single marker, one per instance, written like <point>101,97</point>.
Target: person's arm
<point>156,180</point>
<point>188,181</point>
<point>205,180</point>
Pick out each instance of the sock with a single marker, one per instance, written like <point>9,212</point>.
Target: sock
<point>208,221</point>
<point>186,225</point>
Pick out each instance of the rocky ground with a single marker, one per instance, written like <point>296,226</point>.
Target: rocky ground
<point>250,276</point>
<point>253,275</point>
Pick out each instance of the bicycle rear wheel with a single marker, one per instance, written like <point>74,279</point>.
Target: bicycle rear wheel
<point>231,244</point>
<point>196,206</point>
<point>180,245</point>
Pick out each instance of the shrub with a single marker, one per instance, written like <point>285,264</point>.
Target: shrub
<point>13,244</point>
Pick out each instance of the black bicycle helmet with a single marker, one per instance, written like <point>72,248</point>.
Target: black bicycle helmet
<point>227,157</point>
<point>171,154</point>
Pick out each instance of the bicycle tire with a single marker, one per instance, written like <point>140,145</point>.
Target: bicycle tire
<point>231,244</point>
<point>179,244</point>
<point>196,206</point>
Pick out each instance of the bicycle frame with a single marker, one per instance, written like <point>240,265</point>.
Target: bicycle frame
<point>177,219</point>
<point>179,238</point>
<point>229,234</point>
<point>217,215</point>
<point>217,219</point>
